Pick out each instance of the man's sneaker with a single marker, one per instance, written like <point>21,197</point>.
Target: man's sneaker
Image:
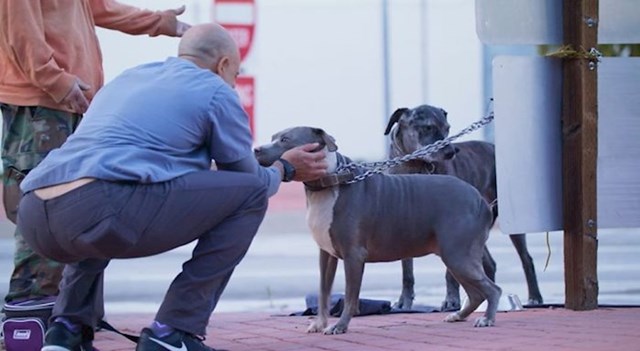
<point>59,338</point>
<point>176,341</point>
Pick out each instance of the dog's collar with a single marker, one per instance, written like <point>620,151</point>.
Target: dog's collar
<point>331,180</point>
<point>431,167</point>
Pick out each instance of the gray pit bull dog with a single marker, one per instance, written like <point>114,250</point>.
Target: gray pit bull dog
<point>471,161</point>
<point>388,218</point>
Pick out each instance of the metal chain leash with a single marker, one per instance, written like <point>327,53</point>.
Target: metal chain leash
<point>380,166</point>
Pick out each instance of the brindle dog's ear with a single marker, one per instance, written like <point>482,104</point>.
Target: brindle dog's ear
<point>445,113</point>
<point>451,153</point>
<point>395,117</point>
<point>328,140</point>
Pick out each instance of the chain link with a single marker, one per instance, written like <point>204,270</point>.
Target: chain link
<point>380,166</point>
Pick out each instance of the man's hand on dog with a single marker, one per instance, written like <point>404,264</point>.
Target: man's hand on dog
<point>309,165</point>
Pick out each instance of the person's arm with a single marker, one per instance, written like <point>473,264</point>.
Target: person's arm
<point>270,176</point>
<point>308,165</point>
<point>111,14</point>
<point>23,40</point>
<point>230,143</point>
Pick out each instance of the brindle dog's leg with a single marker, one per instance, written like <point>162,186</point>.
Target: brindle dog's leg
<point>519,241</point>
<point>405,301</point>
<point>452,299</point>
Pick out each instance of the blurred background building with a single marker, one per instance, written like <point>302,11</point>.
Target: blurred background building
<point>343,65</point>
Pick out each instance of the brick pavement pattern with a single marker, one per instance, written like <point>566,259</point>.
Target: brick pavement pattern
<point>532,329</point>
<point>536,329</point>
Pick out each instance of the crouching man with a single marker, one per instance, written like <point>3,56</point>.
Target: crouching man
<point>135,180</point>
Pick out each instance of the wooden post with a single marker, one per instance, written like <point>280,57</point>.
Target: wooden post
<point>579,153</point>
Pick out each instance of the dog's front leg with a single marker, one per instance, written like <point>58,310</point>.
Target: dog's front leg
<point>328,266</point>
<point>405,301</point>
<point>353,269</point>
<point>452,300</point>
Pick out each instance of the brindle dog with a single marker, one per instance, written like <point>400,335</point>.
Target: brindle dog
<point>471,161</point>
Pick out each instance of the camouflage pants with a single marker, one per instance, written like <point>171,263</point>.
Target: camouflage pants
<point>28,134</point>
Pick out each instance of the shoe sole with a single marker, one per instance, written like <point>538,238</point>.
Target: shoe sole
<point>59,348</point>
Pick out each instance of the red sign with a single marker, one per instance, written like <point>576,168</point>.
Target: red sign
<point>245,86</point>
<point>239,18</point>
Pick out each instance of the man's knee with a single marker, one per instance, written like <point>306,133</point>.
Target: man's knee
<point>260,198</point>
<point>256,194</point>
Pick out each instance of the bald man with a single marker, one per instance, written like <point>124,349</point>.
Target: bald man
<point>135,180</point>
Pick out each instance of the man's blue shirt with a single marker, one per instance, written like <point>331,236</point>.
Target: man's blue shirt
<point>153,123</point>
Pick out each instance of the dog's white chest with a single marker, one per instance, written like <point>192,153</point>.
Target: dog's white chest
<point>319,217</point>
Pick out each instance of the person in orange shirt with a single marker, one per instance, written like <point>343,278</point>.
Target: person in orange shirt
<point>50,69</point>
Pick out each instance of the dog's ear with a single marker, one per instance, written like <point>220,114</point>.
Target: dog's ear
<point>445,113</point>
<point>328,140</point>
<point>451,153</point>
<point>395,117</point>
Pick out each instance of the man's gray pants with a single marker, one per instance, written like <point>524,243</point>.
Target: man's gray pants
<point>94,223</point>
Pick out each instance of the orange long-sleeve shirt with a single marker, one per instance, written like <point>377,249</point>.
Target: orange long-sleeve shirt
<point>46,44</point>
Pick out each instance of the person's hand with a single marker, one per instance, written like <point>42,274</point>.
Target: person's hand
<point>309,165</point>
<point>181,27</point>
<point>75,99</point>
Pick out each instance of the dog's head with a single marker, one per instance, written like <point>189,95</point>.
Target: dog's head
<point>290,138</point>
<point>412,129</point>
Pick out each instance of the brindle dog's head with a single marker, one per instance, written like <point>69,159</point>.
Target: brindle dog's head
<point>412,129</point>
<point>290,138</point>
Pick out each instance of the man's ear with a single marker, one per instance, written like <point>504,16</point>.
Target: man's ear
<point>222,64</point>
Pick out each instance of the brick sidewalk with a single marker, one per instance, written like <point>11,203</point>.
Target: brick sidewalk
<point>531,329</point>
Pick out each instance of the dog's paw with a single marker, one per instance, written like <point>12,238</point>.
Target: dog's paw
<point>534,301</point>
<point>453,317</point>
<point>335,329</point>
<point>403,304</point>
<point>316,327</point>
<point>450,305</point>
<point>484,322</point>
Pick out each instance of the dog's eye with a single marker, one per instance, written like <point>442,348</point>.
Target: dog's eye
<point>284,139</point>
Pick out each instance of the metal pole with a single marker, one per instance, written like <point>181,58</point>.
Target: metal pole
<point>423,49</point>
<point>385,60</point>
